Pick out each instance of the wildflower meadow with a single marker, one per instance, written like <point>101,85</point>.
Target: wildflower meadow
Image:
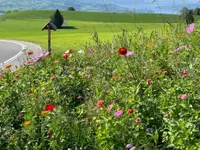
<point>138,92</point>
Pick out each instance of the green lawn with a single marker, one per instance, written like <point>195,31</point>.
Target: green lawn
<point>30,30</point>
<point>27,25</point>
<point>96,16</point>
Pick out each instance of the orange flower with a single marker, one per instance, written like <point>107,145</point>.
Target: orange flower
<point>8,66</point>
<point>153,40</point>
<point>30,53</point>
<point>27,123</point>
<point>113,77</point>
<point>44,112</point>
<point>31,94</point>
<point>100,103</point>
<point>148,46</point>
<point>165,38</point>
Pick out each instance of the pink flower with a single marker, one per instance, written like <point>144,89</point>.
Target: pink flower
<point>167,114</point>
<point>138,120</point>
<point>79,97</point>
<point>109,107</point>
<point>129,53</point>
<point>183,96</point>
<point>190,29</point>
<point>164,72</point>
<point>178,49</point>
<point>118,113</point>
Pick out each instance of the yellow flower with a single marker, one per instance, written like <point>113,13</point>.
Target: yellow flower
<point>47,92</point>
<point>44,112</point>
<point>101,109</point>
<point>180,36</point>
<point>148,46</point>
<point>166,38</point>
<point>11,137</point>
<point>31,94</point>
<point>153,40</point>
<point>27,123</point>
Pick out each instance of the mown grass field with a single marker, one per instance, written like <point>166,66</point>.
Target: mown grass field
<point>27,25</point>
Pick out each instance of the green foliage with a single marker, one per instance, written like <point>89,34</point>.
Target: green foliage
<point>57,19</point>
<point>159,82</point>
<point>187,15</point>
<point>71,8</point>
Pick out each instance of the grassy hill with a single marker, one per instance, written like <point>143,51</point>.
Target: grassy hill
<point>96,16</point>
<point>79,26</point>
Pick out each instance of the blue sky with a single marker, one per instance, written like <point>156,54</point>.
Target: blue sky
<point>159,6</point>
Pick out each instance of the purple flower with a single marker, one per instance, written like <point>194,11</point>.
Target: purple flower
<point>79,97</point>
<point>190,29</point>
<point>129,53</point>
<point>128,146</point>
<point>118,113</point>
<point>148,130</point>
<point>132,148</point>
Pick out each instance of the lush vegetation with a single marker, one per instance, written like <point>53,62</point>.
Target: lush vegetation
<point>106,97</point>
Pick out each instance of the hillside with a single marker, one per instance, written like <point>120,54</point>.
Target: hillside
<point>96,16</point>
<point>88,5</point>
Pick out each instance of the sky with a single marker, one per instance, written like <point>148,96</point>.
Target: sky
<point>158,6</point>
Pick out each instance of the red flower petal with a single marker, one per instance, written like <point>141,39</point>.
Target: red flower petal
<point>122,51</point>
<point>100,103</point>
<point>130,111</point>
<point>65,56</point>
<point>50,107</point>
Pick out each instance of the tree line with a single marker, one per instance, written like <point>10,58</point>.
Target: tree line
<point>187,15</point>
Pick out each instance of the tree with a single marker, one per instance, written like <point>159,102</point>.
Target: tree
<point>187,15</point>
<point>197,11</point>
<point>71,8</point>
<point>57,19</point>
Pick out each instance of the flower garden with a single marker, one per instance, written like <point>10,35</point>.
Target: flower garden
<point>139,92</point>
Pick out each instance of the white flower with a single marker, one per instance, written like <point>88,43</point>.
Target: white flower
<point>81,51</point>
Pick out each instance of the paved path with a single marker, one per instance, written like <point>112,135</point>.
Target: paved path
<point>15,52</point>
<point>9,49</point>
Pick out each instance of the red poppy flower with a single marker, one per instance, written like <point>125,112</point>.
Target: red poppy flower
<point>185,74</point>
<point>122,51</point>
<point>149,81</point>
<point>65,56</point>
<point>49,107</point>
<point>130,111</point>
<point>49,133</point>
<point>100,103</point>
